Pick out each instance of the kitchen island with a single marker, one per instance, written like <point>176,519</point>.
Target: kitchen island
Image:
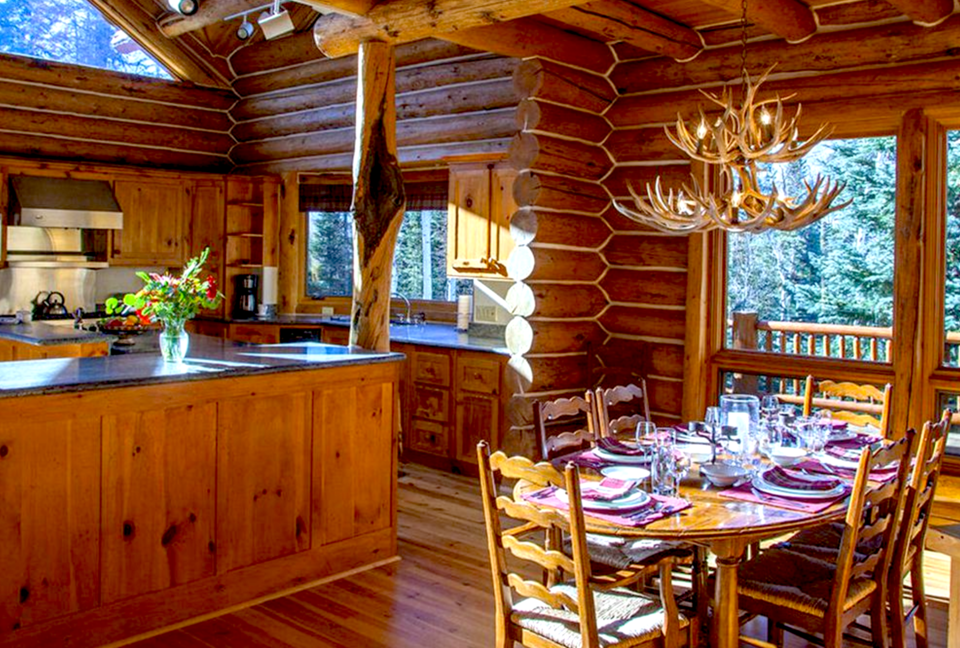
<point>136,494</point>
<point>40,340</point>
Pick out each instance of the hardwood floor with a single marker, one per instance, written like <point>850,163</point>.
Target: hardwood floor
<point>437,596</point>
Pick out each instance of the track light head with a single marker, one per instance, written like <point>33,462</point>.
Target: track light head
<point>245,30</point>
<point>185,7</point>
<point>275,24</point>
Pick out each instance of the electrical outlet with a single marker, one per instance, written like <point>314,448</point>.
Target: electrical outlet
<point>485,314</point>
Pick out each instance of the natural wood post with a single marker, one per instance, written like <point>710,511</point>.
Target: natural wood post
<point>744,337</point>
<point>378,197</point>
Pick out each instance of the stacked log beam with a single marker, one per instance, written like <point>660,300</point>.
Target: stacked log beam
<point>62,111</point>
<point>451,101</point>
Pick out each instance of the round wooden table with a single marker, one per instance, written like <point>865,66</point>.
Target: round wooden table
<point>726,527</point>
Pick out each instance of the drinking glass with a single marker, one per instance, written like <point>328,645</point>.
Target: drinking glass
<point>666,468</point>
<point>771,437</point>
<point>770,406</point>
<point>646,433</point>
<point>712,420</point>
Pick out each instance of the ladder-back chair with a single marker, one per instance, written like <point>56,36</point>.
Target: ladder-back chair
<point>562,426</point>
<point>620,408</point>
<point>569,611</point>
<point>825,594</point>
<point>863,405</point>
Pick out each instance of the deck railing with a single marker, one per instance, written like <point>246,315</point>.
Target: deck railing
<point>804,338</point>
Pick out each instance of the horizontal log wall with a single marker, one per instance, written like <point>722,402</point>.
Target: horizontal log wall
<point>451,101</point>
<point>60,111</point>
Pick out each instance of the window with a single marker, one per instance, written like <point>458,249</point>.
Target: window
<point>71,31</point>
<point>827,289</point>
<point>420,260</point>
<point>951,311</point>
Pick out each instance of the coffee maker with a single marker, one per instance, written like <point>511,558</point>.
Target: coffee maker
<point>245,296</point>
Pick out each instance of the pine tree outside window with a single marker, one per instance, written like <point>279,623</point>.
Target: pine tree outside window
<point>72,31</point>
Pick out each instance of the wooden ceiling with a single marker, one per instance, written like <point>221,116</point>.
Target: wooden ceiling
<point>594,35</point>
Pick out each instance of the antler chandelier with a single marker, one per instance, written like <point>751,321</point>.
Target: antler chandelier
<point>736,143</point>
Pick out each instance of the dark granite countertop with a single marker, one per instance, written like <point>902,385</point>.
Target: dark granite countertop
<point>430,334</point>
<point>208,358</point>
<point>44,334</point>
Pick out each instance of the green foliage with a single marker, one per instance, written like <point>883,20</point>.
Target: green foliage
<point>71,31</point>
<point>174,300</point>
<point>838,270</point>
<point>423,237</point>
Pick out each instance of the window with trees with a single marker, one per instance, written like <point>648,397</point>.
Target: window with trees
<point>827,289</point>
<point>951,311</point>
<point>420,260</point>
<point>72,31</point>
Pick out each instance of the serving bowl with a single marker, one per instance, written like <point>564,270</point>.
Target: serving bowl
<point>723,474</point>
<point>786,456</point>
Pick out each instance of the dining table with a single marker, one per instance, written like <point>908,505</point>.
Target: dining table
<point>725,526</point>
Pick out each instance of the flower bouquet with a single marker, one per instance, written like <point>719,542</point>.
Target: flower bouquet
<point>173,301</point>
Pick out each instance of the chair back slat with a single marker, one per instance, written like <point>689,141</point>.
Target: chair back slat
<point>920,491</point>
<point>872,517</point>
<point>540,518</point>
<point>861,405</point>
<point>533,589</point>
<point>547,558</point>
<point>562,425</point>
<point>540,474</point>
<point>621,408</point>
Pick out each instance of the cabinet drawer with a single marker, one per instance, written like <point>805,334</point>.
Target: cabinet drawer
<point>480,375</point>
<point>430,403</point>
<point>429,437</point>
<point>255,334</point>
<point>432,368</point>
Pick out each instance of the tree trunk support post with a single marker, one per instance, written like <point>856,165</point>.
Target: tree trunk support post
<point>378,197</point>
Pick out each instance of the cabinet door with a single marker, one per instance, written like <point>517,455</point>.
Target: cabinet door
<point>502,210</point>
<point>153,216</point>
<point>478,419</point>
<point>49,519</point>
<point>429,437</point>
<point>336,335</point>
<point>255,333</point>
<point>206,230</point>
<point>158,499</point>
<point>263,478</point>
<point>468,219</point>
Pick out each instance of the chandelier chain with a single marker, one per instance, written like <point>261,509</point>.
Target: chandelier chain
<point>743,45</point>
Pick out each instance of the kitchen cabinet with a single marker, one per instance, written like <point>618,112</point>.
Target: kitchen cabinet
<point>428,401</point>
<point>154,213</point>
<point>206,230</point>
<point>336,335</point>
<point>254,333</point>
<point>478,407</point>
<point>13,350</point>
<point>208,327</point>
<point>478,220</point>
<point>253,214</point>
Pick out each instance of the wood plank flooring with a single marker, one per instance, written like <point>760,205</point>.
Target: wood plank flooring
<point>438,596</point>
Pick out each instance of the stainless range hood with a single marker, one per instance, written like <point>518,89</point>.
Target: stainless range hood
<point>63,202</point>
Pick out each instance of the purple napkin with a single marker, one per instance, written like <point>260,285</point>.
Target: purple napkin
<point>788,479</point>
<point>747,493</point>
<point>607,490</point>
<point>657,508</point>
<point>814,466</point>
<point>611,444</point>
<point>858,442</point>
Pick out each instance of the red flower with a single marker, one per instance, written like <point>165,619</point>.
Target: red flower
<point>211,287</point>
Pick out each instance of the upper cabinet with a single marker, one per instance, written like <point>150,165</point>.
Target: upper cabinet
<point>206,229</point>
<point>478,226</point>
<point>154,213</point>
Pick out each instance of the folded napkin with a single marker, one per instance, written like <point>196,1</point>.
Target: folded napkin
<point>836,424</point>
<point>777,476</point>
<point>658,507</point>
<point>615,446</point>
<point>607,490</point>
<point>844,453</point>
<point>814,466</point>
<point>747,493</point>
<point>857,442</point>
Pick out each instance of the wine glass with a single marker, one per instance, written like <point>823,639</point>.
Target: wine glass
<point>770,406</point>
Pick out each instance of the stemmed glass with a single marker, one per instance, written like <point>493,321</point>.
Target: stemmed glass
<point>712,421</point>
<point>770,406</point>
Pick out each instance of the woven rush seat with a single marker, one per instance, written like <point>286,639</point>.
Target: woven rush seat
<point>620,553</point>
<point>824,542</point>
<point>796,581</point>
<point>624,618</point>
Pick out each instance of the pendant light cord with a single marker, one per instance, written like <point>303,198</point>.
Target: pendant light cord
<point>743,46</point>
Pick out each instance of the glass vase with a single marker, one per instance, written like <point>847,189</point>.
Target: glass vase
<point>741,411</point>
<point>174,341</point>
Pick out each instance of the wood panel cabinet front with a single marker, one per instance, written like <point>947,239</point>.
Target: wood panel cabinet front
<point>49,518</point>
<point>431,403</point>
<point>159,506</point>
<point>430,437</point>
<point>431,368</point>
<point>206,230</point>
<point>154,212</point>
<point>478,219</point>
<point>478,419</point>
<point>254,333</point>
<point>263,478</point>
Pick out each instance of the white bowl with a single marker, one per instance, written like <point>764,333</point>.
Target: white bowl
<point>698,452</point>
<point>785,456</point>
<point>723,474</point>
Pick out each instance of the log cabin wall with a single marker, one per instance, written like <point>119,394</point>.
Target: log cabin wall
<point>298,115</point>
<point>69,112</point>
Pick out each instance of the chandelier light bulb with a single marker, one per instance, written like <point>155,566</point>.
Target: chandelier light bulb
<point>702,130</point>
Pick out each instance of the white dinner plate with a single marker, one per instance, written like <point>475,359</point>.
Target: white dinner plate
<point>828,459</point>
<point>626,473</point>
<point>836,436</point>
<point>764,486</point>
<point>606,455</point>
<point>632,500</point>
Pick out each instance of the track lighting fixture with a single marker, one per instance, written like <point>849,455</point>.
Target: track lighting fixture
<point>246,29</point>
<point>276,23</point>
<point>185,7</point>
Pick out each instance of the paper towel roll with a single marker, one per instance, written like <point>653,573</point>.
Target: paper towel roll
<point>270,283</point>
<point>464,312</point>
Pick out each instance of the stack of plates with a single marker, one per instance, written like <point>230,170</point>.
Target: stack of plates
<point>608,455</point>
<point>764,486</point>
<point>631,501</point>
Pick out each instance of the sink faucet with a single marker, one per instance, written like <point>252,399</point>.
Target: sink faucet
<point>406,301</point>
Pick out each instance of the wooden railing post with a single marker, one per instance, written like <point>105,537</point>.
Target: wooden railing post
<point>745,337</point>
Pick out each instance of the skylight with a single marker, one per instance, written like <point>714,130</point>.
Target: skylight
<point>72,31</point>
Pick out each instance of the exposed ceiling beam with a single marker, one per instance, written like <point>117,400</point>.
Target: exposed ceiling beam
<point>402,21</point>
<point>790,19</point>
<point>925,12</point>
<point>182,61</point>
<point>619,20</point>
<point>525,37</point>
<point>213,11</point>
